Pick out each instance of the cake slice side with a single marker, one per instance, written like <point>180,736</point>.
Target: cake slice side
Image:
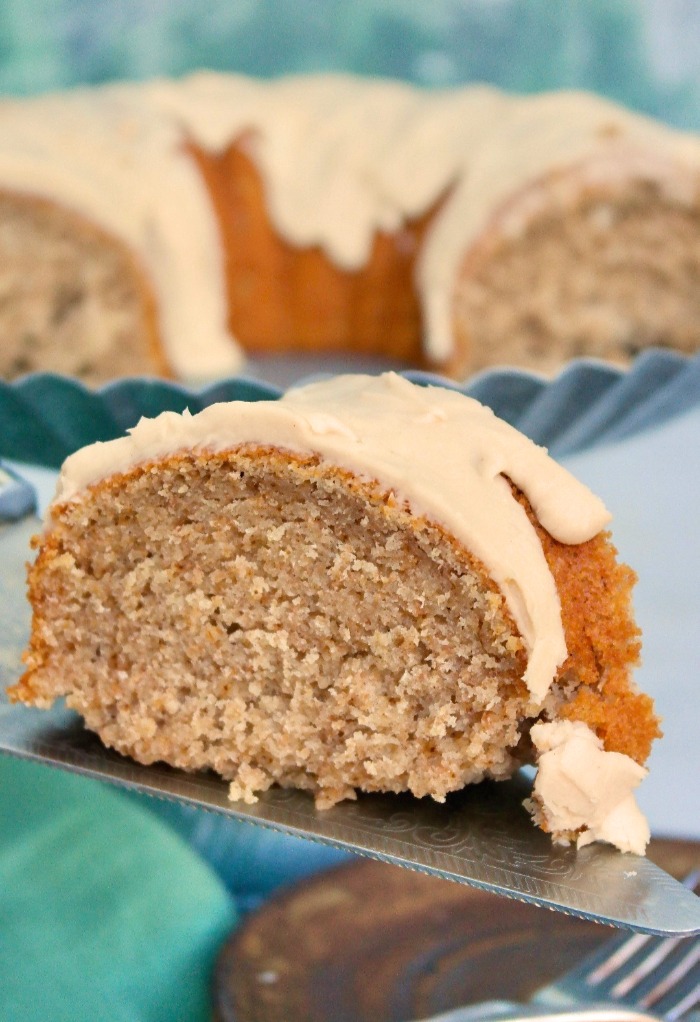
<point>275,619</point>
<point>364,585</point>
<point>278,619</point>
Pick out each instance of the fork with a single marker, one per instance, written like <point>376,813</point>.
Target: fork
<point>631,978</point>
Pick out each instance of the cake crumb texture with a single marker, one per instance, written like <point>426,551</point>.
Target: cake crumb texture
<point>578,281</point>
<point>279,620</point>
<point>72,299</point>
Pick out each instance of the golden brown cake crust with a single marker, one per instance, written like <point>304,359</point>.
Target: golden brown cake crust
<point>603,642</point>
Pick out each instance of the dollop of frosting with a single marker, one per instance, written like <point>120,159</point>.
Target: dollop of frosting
<point>581,788</point>
<point>448,457</point>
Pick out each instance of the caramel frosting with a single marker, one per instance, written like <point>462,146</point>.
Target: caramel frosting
<point>341,158</point>
<point>584,790</point>
<point>445,455</point>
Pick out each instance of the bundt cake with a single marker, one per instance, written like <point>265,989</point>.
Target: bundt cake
<point>162,226</point>
<point>366,585</point>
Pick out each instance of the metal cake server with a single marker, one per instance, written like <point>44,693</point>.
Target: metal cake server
<point>481,836</point>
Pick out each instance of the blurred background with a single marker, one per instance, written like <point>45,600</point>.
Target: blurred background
<point>145,909</point>
<point>644,53</point>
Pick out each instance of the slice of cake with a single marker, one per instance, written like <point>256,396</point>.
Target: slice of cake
<point>364,585</point>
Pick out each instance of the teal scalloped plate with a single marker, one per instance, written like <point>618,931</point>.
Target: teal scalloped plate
<point>45,417</point>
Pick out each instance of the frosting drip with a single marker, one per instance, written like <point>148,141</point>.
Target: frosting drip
<point>341,158</point>
<point>446,455</point>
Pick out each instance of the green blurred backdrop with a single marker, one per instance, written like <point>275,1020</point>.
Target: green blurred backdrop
<point>645,53</point>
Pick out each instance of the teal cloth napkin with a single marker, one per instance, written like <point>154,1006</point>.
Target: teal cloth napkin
<point>105,912</point>
<point>252,861</point>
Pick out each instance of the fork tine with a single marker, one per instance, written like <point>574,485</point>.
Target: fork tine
<point>679,991</point>
<point>659,973</point>
<point>647,966</point>
<point>686,1005</point>
<point>627,948</point>
<point>671,969</point>
<point>663,975</point>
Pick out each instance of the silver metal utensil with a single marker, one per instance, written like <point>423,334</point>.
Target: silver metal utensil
<point>481,836</point>
<point>509,1011</point>
<point>631,974</point>
<point>658,974</point>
